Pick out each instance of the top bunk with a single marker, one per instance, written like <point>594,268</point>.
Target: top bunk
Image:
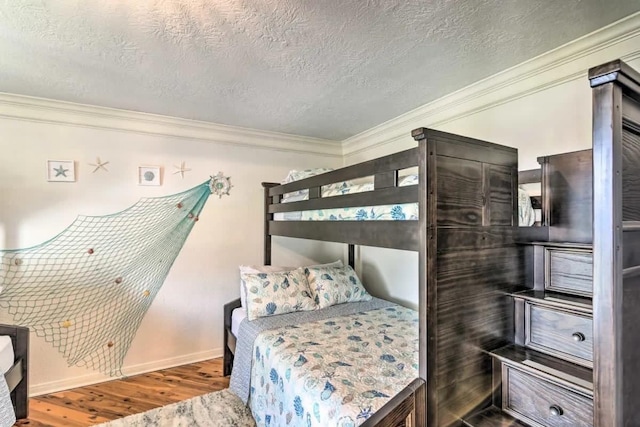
<point>454,181</point>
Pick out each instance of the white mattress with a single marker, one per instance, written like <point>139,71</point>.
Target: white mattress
<point>237,316</point>
<point>6,353</point>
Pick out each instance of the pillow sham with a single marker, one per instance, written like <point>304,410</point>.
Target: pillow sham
<point>335,285</point>
<point>269,294</point>
<point>253,269</point>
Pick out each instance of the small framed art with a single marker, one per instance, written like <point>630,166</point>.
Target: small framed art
<point>61,171</point>
<point>149,175</point>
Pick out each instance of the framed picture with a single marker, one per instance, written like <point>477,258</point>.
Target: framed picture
<point>149,175</point>
<point>61,171</point>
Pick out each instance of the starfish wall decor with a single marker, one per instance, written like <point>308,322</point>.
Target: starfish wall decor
<point>99,164</point>
<point>182,169</point>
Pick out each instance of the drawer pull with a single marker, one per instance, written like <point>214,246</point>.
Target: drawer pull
<point>578,336</point>
<point>555,410</point>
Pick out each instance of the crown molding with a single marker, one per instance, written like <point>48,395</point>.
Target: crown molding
<point>43,110</point>
<point>566,63</point>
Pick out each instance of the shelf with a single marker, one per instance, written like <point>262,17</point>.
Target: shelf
<point>567,245</point>
<point>491,417</point>
<point>558,300</point>
<point>551,368</point>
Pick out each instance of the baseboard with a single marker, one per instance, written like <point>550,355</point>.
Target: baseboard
<point>95,378</point>
<point>561,65</point>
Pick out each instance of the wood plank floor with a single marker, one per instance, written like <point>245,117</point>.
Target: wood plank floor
<point>107,401</point>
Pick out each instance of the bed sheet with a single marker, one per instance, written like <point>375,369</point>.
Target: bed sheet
<point>7,416</point>
<point>333,372</point>
<point>237,316</point>
<point>6,353</point>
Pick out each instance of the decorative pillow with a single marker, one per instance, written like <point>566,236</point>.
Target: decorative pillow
<point>335,285</point>
<point>253,269</point>
<point>269,294</point>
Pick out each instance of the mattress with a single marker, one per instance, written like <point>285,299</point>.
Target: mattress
<point>237,316</point>
<point>408,211</point>
<point>6,353</point>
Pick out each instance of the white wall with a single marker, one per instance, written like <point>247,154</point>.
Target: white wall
<point>541,107</point>
<point>184,323</point>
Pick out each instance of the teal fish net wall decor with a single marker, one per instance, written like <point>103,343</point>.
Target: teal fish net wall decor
<point>86,290</point>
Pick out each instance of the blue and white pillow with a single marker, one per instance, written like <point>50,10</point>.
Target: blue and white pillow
<point>335,285</point>
<point>269,294</point>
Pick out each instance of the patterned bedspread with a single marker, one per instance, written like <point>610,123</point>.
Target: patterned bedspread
<point>7,416</point>
<point>333,372</point>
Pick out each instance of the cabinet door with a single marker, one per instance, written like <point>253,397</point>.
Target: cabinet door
<point>500,195</point>
<point>472,193</point>
<point>460,198</point>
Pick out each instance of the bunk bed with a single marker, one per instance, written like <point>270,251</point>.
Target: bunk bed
<point>463,184</point>
<point>518,326</point>
<point>14,358</point>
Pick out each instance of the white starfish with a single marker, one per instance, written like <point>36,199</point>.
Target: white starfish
<point>99,165</point>
<point>181,169</point>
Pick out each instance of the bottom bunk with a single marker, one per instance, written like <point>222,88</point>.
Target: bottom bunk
<point>14,359</point>
<point>311,347</point>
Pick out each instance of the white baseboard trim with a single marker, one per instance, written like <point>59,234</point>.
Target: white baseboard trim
<point>95,378</point>
<point>41,110</point>
<point>561,65</point>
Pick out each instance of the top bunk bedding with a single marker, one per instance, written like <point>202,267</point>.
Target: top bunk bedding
<point>392,212</point>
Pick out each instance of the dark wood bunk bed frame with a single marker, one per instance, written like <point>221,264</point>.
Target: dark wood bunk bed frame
<point>17,376</point>
<point>501,307</point>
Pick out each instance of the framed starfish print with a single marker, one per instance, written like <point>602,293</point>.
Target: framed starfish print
<point>61,171</point>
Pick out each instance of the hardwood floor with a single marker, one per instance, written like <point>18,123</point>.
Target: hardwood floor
<point>107,401</point>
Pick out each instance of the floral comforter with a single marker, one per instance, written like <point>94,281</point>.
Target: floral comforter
<point>333,372</point>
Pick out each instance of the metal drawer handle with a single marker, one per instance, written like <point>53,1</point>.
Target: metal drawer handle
<point>555,410</point>
<point>578,336</point>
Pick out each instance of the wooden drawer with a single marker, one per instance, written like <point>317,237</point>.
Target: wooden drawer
<point>539,402</point>
<point>565,334</point>
<point>569,271</point>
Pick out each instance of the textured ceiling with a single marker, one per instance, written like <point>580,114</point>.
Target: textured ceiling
<point>323,68</point>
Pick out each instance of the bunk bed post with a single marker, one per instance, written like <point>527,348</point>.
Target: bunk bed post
<point>352,255</point>
<point>267,217</point>
<point>616,212</point>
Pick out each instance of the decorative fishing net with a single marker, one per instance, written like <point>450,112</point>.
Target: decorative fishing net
<point>87,289</point>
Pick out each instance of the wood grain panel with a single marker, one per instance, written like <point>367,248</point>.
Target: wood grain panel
<point>567,192</point>
<point>532,398</point>
<point>460,198</point>
<point>383,234</point>
<point>630,175</point>
<point>552,331</point>
<point>569,271</point>
<point>500,195</point>
<point>631,348</point>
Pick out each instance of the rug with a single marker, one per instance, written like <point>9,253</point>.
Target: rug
<point>220,408</point>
